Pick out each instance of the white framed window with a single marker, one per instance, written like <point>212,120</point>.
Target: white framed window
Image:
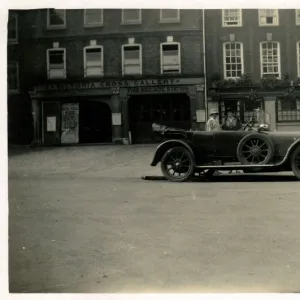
<point>169,15</point>
<point>297,16</point>
<point>56,63</point>
<point>298,58</point>
<point>12,76</point>
<point>131,16</point>
<point>270,59</point>
<point>12,30</point>
<point>232,17</point>
<point>268,17</point>
<point>93,17</point>
<point>132,59</point>
<point>233,60</point>
<point>170,58</point>
<point>93,61</point>
<point>56,18</point>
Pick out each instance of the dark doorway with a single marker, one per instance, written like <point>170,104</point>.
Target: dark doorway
<point>95,124</point>
<point>166,109</point>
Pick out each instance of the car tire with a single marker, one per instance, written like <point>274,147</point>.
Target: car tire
<point>174,156</point>
<point>295,162</point>
<point>259,147</point>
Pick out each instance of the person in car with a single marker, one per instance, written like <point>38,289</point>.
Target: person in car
<point>231,121</point>
<point>213,122</point>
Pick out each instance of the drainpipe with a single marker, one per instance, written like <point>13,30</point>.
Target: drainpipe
<point>204,63</point>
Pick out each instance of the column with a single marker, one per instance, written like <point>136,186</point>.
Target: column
<point>116,109</point>
<point>270,107</point>
<point>35,106</point>
<point>125,118</point>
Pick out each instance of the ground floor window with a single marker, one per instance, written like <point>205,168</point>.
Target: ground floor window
<point>288,109</point>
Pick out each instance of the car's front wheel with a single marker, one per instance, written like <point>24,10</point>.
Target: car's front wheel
<point>295,162</point>
<point>177,164</point>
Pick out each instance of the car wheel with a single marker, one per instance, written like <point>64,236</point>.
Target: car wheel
<point>178,164</point>
<point>255,149</point>
<point>295,162</point>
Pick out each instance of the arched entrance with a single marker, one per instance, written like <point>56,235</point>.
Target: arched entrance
<point>166,109</point>
<point>95,124</point>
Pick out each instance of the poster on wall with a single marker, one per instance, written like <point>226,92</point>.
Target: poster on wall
<point>116,119</point>
<point>70,123</point>
<point>51,123</point>
<point>200,115</point>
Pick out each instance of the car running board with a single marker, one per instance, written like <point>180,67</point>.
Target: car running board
<point>235,167</point>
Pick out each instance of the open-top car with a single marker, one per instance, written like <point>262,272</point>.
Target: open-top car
<point>251,149</point>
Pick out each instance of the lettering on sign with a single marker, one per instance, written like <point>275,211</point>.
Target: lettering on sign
<point>158,89</point>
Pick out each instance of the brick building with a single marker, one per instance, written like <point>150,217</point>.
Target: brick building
<point>264,45</point>
<point>106,75</point>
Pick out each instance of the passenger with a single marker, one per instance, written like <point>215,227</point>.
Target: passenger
<point>231,121</point>
<point>213,122</point>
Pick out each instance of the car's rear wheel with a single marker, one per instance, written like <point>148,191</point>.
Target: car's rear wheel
<point>295,162</point>
<point>177,164</point>
<point>255,149</point>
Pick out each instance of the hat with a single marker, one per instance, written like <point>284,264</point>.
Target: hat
<point>230,109</point>
<point>213,111</point>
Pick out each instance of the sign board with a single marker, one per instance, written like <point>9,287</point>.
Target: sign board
<point>116,119</point>
<point>158,89</point>
<point>69,123</point>
<point>51,123</point>
<point>200,115</point>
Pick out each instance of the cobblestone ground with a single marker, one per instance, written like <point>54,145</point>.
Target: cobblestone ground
<point>82,220</point>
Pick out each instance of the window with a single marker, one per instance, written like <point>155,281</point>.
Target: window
<point>131,16</point>
<point>12,76</point>
<point>298,58</point>
<point>131,59</point>
<point>170,58</point>
<point>169,15</point>
<point>288,109</point>
<point>12,34</point>
<point>233,60</point>
<point>270,59</point>
<point>297,16</point>
<point>268,17</point>
<point>93,17</point>
<point>56,63</point>
<point>232,17</point>
<point>93,61</point>
<point>56,18</point>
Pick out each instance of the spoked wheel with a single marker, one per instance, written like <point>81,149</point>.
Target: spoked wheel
<point>178,164</point>
<point>255,149</point>
<point>295,162</point>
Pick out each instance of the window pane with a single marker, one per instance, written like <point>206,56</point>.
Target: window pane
<point>270,58</point>
<point>93,16</point>
<point>131,14</point>
<point>56,57</point>
<point>56,16</point>
<point>233,59</point>
<point>132,53</point>
<point>12,28</point>
<point>170,13</point>
<point>232,17</point>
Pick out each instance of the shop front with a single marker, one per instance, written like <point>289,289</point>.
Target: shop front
<point>115,111</point>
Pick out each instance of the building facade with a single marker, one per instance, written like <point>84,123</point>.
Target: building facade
<point>254,54</point>
<point>97,76</point>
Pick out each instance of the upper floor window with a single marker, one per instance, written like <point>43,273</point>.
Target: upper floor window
<point>170,58</point>
<point>233,60</point>
<point>93,61</point>
<point>270,59</point>
<point>93,17</point>
<point>232,17</point>
<point>268,17</point>
<point>56,63</point>
<point>169,15</point>
<point>297,16</point>
<point>298,58</point>
<point>131,16</point>
<point>12,34</point>
<point>56,18</point>
<point>12,76</point>
<point>131,59</point>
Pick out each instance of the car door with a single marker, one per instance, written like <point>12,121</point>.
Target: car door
<point>204,143</point>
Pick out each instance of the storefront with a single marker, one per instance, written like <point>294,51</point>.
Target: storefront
<point>115,111</point>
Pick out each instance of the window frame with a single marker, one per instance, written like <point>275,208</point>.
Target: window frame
<point>48,62</point>
<point>297,17</point>
<point>172,20</point>
<point>123,58</point>
<point>224,59</point>
<point>260,11</point>
<point>282,115</point>
<point>240,18</point>
<point>96,24</point>
<point>63,26</point>
<point>261,59</point>
<point>132,22</point>
<point>18,79</point>
<point>13,41</point>
<point>179,57</point>
<point>85,61</point>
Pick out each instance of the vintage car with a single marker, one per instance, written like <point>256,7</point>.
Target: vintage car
<point>251,149</point>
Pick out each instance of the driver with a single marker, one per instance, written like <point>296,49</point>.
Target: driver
<point>213,122</point>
